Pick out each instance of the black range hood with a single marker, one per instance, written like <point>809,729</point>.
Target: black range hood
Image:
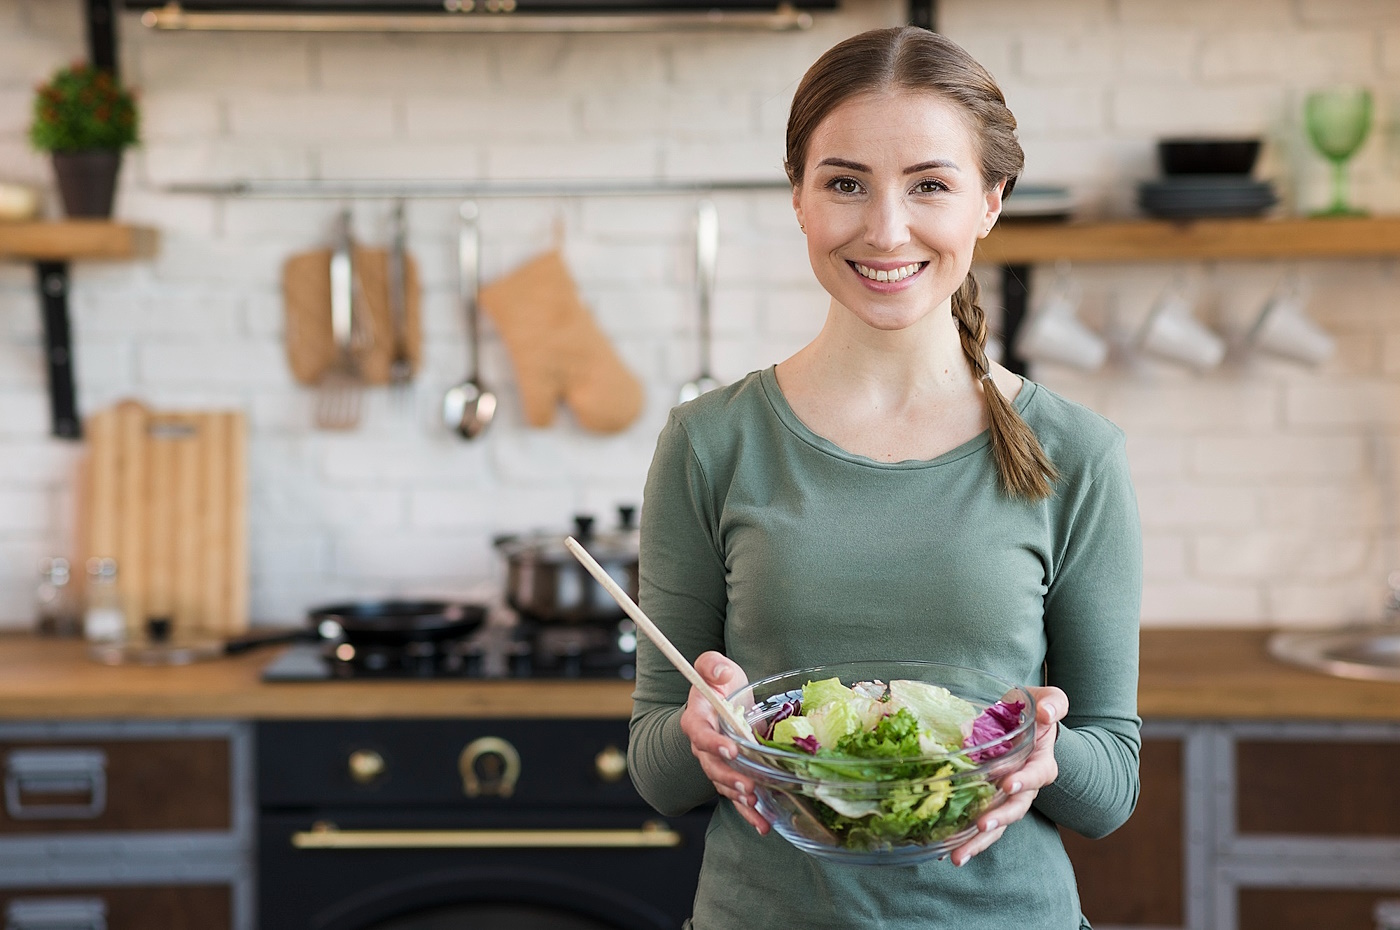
<point>476,15</point>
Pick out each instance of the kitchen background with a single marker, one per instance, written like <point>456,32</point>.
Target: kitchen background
<point>1270,493</point>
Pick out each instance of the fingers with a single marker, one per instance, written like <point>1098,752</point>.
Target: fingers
<point>720,672</point>
<point>1051,705</point>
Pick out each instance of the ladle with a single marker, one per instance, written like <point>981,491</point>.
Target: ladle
<point>468,407</point>
<point>706,257</point>
<point>644,623</point>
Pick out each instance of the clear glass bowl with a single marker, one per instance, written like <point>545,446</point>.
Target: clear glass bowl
<point>863,811</point>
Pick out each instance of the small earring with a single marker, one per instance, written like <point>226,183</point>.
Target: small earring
<point>801,227</point>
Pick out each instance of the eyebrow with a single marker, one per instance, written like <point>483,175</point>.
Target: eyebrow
<point>912,169</point>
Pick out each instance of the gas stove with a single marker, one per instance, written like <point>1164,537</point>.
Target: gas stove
<point>517,648</point>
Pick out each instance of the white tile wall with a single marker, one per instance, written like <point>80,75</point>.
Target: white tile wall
<point>1269,494</point>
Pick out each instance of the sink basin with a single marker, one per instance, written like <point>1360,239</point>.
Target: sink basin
<point>1369,653</point>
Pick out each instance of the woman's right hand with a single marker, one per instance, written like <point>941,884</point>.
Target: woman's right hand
<point>714,750</point>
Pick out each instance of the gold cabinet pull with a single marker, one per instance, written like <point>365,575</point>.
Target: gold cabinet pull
<point>652,835</point>
<point>501,762</point>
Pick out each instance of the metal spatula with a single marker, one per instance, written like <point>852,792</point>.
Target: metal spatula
<point>338,395</point>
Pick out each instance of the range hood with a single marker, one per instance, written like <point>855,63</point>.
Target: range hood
<point>476,15</point>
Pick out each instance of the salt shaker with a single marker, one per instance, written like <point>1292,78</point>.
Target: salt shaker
<point>105,620</point>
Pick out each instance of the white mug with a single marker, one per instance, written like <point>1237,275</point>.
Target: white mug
<point>1285,329</point>
<point>1053,332</point>
<point>1173,333</point>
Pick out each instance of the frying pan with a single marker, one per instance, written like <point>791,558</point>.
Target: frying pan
<point>359,623</point>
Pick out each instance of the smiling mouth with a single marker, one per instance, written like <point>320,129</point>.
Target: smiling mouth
<point>887,276</point>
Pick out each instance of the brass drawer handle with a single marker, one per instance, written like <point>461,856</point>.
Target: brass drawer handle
<point>652,835</point>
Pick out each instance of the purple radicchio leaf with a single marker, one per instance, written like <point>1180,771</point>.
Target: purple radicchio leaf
<point>787,710</point>
<point>807,744</point>
<point>992,724</point>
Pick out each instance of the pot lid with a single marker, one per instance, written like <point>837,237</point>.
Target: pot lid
<point>621,544</point>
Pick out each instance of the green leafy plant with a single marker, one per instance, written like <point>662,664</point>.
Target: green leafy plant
<point>83,109</point>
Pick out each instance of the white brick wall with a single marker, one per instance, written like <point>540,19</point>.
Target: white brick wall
<point>1269,494</point>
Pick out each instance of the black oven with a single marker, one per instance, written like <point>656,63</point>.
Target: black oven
<point>464,825</point>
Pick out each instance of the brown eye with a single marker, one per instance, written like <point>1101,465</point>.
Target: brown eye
<point>845,185</point>
<point>930,186</point>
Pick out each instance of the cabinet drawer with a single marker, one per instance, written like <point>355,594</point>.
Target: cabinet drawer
<point>1289,787</point>
<point>1135,876</point>
<point>109,785</point>
<point>171,907</point>
<point>1309,908</point>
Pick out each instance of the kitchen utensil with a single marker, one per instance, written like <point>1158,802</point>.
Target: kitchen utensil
<point>727,711</point>
<point>1196,156</point>
<point>167,500</point>
<point>400,366</point>
<point>1338,120</point>
<point>545,584</point>
<point>306,293</point>
<point>468,407</point>
<point>338,399</point>
<point>706,257</point>
<point>857,810</point>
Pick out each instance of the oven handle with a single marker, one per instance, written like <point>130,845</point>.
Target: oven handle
<point>653,835</point>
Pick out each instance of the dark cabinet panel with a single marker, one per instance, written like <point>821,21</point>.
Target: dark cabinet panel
<point>1309,908</point>
<point>116,785</point>
<point>1274,796</point>
<point>1135,876</point>
<point>174,907</point>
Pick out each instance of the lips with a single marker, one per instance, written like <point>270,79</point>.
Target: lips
<point>887,275</point>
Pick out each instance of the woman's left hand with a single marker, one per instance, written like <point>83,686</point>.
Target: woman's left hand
<point>1022,785</point>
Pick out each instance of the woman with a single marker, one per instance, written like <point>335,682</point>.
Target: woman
<point>890,493</point>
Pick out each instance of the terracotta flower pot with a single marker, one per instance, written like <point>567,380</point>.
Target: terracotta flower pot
<point>87,181</point>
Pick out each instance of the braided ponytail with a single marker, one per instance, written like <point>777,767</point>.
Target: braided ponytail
<point>1024,468</point>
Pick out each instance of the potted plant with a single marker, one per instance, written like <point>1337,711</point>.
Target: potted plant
<point>84,118</point>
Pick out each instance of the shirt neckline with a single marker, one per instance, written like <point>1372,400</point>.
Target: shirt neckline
<point>768,378</point>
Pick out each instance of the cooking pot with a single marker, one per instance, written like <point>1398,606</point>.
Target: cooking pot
<point>545,583</point>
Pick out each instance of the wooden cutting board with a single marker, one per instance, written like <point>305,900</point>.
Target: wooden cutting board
<point>166,497</point>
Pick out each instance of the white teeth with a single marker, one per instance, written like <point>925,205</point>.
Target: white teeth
<point>898,274</point>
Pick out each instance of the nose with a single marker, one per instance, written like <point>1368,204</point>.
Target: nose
<point>886,223</point>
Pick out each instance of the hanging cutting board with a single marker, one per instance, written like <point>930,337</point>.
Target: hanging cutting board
<point>167,499</point>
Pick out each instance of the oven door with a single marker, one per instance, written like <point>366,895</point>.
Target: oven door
<point>453,870</point>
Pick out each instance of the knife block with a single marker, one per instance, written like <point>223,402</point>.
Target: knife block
<point>166,497</point>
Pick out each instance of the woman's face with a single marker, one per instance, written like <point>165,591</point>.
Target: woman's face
<point>893,203</point>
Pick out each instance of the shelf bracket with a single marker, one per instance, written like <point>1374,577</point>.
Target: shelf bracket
<point>58,349</point>
<point>102,35</point>
<point>1015,296</point>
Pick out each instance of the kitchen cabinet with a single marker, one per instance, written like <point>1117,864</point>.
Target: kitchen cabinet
<point>126,825</point>
<point>1267,801</point>
<point>1250,825</point>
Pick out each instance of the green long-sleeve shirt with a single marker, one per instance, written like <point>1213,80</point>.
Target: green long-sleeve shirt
<point>766,542</point>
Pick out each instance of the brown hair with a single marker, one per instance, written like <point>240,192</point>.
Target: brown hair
<point>910,58</point>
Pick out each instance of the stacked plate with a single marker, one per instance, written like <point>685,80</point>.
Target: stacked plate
<point>1038,202</point>
<point>1191,195</point>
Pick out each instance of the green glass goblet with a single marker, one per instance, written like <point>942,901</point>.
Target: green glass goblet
<point>1338,120</point>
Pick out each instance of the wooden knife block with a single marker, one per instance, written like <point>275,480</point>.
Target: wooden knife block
<point>166,497</point>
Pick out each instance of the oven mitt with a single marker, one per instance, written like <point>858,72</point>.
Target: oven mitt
<point>558,350</point>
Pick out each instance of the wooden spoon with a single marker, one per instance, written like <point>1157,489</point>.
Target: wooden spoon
<point>644,623</point>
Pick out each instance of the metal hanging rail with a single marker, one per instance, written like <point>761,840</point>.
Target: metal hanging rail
<point>495,16</point>
<point>460,190</point>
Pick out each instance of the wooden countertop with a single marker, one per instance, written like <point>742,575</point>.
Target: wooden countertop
<point>1186,674</point>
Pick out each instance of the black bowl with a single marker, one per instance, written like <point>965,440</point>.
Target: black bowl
<point>1207,156</point>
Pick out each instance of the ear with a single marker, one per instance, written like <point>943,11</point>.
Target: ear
<point>993,211</point>
<point>797,205</point>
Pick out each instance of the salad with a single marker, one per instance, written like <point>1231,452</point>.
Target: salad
<point>887,763</point>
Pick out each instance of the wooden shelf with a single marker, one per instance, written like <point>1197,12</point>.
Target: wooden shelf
<point>1020,242</point>
<point>72,240</point>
